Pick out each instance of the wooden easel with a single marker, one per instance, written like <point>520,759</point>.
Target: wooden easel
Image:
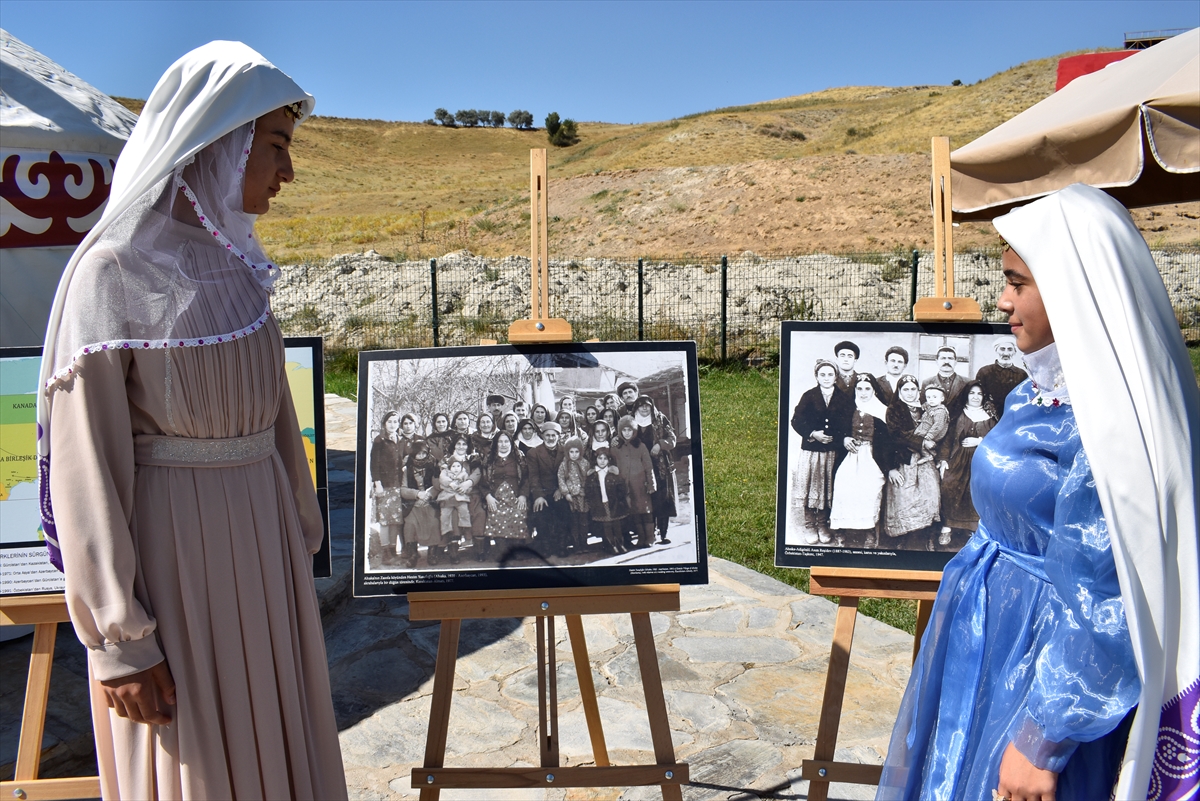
<point>451,608</point>
<point>44,612</point>
<point>853,584</point>
<point>639,601</point>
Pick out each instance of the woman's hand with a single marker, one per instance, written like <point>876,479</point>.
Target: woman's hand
<point>895,477</point>
<point>144,697</point>
<point>656,449</point>
<point>971,442</point>
<point>851,444</point>
<point>1021,780</point>
<point>521,503</point>
<point>378,489</point>
<point>492,503</point>
<point>821,437</point>
<point>943,466</point>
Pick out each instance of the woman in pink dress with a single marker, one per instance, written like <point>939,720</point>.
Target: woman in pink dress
<point>175,481</point>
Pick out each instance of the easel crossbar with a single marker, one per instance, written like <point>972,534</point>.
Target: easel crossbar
<point>915,585</point>
<point>583,776</point>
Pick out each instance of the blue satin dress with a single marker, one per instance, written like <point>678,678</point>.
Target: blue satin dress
<point>1027,642</point>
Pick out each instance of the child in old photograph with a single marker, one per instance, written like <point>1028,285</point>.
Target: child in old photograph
<point>935,422</point>
<point>606,501</point>
<point>572,474</point>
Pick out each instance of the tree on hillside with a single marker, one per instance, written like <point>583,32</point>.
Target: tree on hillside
<point>497,119</point>
<point>468,117</point>
<point>520,119</point>
<point>563,133</point>
<point>444,117</point>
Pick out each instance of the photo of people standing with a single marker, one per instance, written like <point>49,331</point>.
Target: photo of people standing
<point>483,462</point>
<point>879,425</point>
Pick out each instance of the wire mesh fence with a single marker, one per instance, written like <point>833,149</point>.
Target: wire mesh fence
<point>731,307</point>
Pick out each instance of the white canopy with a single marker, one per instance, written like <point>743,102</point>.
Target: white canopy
<point>59,139</point>
<point>1131,129</point>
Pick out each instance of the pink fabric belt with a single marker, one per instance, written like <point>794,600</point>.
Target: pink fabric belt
<point>163,451</point>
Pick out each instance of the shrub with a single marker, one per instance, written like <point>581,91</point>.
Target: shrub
<point>565,134</point>
<point>444,117</point>
<point>553,123</point>
<point>956,82</point>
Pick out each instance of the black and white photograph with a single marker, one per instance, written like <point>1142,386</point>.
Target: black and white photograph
<point>504,467</point>
<point>878,424</point>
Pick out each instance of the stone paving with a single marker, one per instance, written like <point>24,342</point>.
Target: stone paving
<point>743,665</point>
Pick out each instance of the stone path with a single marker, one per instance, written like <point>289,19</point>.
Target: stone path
<point>743,665</point>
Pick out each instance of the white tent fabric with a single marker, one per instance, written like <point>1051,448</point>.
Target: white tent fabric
<point>59,140</point>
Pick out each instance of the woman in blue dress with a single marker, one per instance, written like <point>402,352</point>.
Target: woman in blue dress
<point>1065,611</point>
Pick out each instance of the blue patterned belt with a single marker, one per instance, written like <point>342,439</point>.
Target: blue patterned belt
<point>163,451</point>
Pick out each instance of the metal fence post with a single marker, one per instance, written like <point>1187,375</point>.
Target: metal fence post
<point>641,290</point>
<point>433,298</point>
<point>724,307</point>
<point>913,293</point>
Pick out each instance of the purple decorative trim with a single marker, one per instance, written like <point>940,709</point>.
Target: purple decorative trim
<point>1176,772</point>
<point>46,508</point>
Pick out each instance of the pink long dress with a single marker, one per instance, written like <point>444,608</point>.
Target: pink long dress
<point>205,564</point>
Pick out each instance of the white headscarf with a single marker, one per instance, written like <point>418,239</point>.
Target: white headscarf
<point>129,284</point>
<point>1138,412</point>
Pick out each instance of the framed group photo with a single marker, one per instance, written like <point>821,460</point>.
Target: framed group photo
<point>541,466</point>
<point>878,424</point>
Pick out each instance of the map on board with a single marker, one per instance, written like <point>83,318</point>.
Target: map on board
<point>19,517</point>
<point>299,370</point>
<point>24,564</point>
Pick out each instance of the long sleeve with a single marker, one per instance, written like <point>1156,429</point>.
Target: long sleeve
<point>91,487</point>
<point>1085,679</point>
<point>295,462</point>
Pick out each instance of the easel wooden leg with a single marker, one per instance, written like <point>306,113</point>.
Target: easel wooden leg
<point>587,689</point>
<point>443,693</point>
<point>835,691</point>
<point>37,696</point>
<point>924,610</point>
<point>656,705</point>
<point>547,693</point>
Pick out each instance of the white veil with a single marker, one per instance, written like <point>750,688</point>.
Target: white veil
<point>1138,411</point>
<point>129,284</point>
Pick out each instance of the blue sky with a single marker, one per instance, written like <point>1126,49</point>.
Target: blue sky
<point>607,61</point>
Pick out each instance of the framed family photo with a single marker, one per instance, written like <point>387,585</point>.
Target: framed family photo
<point>508,467</point>
<point>878,423</point>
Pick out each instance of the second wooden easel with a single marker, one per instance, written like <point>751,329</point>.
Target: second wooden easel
<point>451,608</point>
<point>852,584</point>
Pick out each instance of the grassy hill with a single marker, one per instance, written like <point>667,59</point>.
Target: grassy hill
<point>844,168</point>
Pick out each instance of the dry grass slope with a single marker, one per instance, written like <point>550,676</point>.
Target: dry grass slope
<point>844,168</point>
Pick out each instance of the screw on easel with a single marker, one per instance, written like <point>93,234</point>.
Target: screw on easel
<point>670,774</point>
<point>549,777</point>
<point>545,604</point>
<point>19,793</point>
<point>947,305</point>
<point>429,779</point>
<point>541,326</point>
<point>821,772</point>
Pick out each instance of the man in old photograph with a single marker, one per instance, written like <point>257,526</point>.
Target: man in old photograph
<point>999,378</point>
<point>846,355</point>
<point>947,378</point>
<point>895,361</point>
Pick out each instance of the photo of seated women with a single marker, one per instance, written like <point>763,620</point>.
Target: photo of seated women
<point>452,492</point>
